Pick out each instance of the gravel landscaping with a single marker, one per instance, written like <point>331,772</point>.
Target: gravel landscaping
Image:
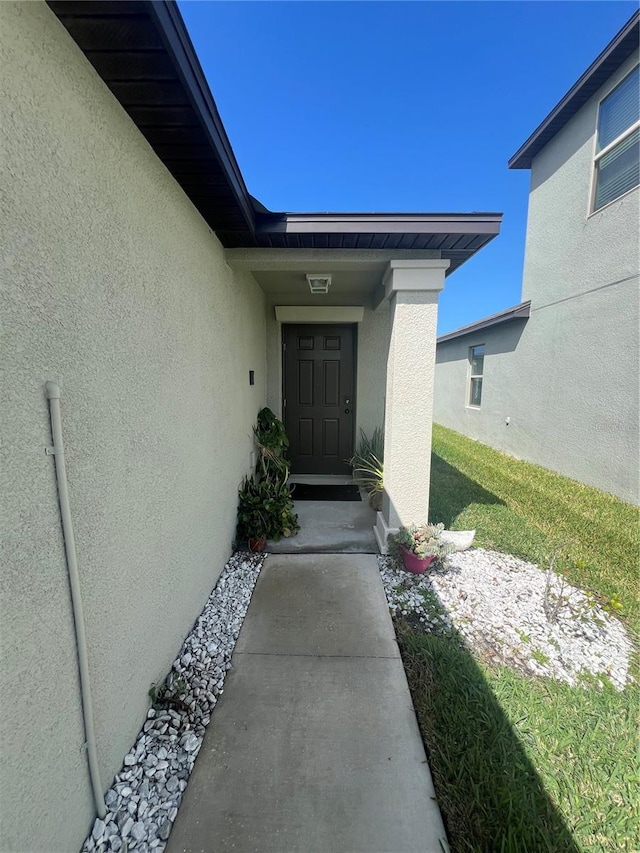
<point>144,798</point>
<point>496,604</point>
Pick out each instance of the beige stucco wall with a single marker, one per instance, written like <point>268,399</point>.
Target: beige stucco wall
<point>409,414</point>
<point>569,378</point>
<point>274,360</point>
<point>114,285</point>
<point>373,335</point>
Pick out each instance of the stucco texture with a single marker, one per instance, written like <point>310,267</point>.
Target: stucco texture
<point>114,286</point>
<point>409,407</point>
<point>569,377</point>
<point>568,251</point>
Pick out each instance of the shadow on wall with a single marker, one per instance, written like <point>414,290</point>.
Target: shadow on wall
<point>452,492</point>
<point>578,133</point>
<point>503,338</point>
<point>490,794</point>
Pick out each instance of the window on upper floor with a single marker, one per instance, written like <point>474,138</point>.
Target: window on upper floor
<point>476,370</point>
<point>617,159</point>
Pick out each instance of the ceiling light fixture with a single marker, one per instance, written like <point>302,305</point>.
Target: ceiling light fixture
<point>319,282</point>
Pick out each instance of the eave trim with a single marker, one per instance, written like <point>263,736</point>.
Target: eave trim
<point>517,312</point>
<point>618,50</point>
<point>180,47</point>
<point>380,223</point>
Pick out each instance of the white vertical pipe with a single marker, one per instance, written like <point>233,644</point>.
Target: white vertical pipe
<point>53,393</point>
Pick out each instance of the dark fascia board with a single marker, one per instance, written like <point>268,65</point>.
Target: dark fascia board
<point>164,16</point>
<point>615,53</point>
<point>159,23</point>
<point>380,223</point>
<point>518,312</point>
<point>178,43</point>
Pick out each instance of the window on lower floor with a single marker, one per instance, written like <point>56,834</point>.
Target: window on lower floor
<point>476,370</point>
<point>617,158</point>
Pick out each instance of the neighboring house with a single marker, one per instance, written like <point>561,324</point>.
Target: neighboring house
<point>555,379</point>
<point>140,274</point>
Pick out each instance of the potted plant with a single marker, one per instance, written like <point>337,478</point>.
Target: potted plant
<point>252,523</point>
<point>368,466</point>
<point>272,444</point>
<point>419,546</point>
<point>265,506</point>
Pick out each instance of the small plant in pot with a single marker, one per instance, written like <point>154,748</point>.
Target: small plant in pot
<point>368,466</point>
<point>264,512</point>
<point>252,522</point>
<point>265,507</point>
<point>419,546</point>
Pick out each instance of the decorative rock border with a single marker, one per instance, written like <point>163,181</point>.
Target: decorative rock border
<point>144,798</point>
<point>496,605</point>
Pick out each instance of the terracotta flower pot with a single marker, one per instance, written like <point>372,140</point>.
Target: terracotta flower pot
<point>415,564</point>
<point>257,545</point>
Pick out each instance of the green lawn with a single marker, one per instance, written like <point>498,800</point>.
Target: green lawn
<point>522,509</point>
<point>523,765</point>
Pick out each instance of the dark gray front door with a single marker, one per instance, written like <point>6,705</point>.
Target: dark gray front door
<point>319,385</point>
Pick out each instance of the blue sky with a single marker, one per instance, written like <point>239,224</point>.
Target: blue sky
<point>398,106</point>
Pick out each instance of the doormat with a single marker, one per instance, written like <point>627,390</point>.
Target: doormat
<point>312,492</point>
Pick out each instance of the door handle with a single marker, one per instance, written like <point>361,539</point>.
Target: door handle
<point>347,411</point>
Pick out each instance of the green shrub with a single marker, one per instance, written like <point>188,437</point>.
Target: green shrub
<point>265,511</point>
<point>265,507</point>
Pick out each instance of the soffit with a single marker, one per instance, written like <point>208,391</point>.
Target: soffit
<point>455,236</point>
<point>144,55</point>
<point>356,275</point>
<point>355,285</point>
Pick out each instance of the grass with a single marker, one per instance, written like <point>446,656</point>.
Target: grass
<point>522,509</point>
<point>523,765</point>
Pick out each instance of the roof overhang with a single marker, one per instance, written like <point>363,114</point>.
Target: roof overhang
<point>518,312</point>
<point>615,53</point>
<point>456,236</point>
<point>142,51</point>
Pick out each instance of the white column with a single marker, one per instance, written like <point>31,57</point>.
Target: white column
<point>413,288</point>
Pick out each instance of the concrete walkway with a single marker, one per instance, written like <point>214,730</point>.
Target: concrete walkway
<point>330,527</point>
<point>314,745</point>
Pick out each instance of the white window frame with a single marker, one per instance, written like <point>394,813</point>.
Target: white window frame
<point>472,376</point>
<point>597,155</point>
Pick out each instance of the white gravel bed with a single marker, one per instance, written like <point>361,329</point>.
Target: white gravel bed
<point>144,798</point>
<point>496,604</point>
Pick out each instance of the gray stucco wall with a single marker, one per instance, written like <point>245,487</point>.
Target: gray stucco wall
<point>114,285</point>
<point>373,335</point>
<point>569,252</point>
<point>569,377</point>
